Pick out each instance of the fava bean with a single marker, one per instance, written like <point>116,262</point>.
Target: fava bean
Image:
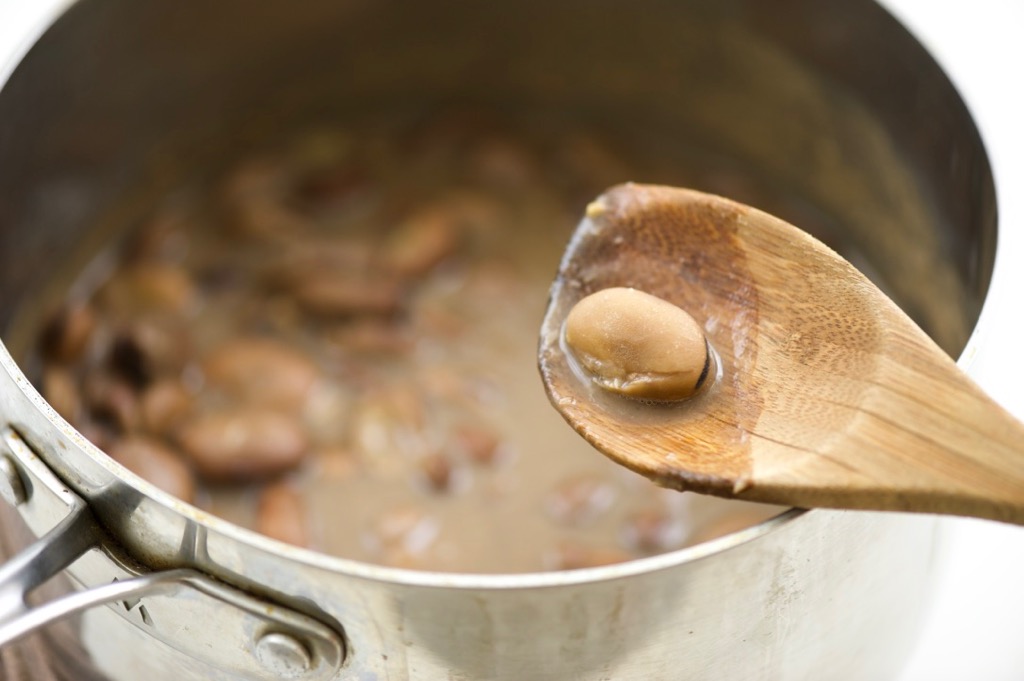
<point>155,344</point>
<point>579,500</point>
<point>66,335</point>
<point>146,288</point>
<point>481,446</point>
<point>437,470</point>
<point>370,337</point>
<point>402,529</point>
<point>156,462</point>
<point>243,443</point>
<point>61,391</point>
<point>110,400</point>
<point>281,514</point>
<point>261,371</point>
<point>337,463</point>
<point>652,531</point>
<point>164,404</point>
<point>569,555</point>
<point>422,241</point>
<point>635,344</point>
<point>339,294</point>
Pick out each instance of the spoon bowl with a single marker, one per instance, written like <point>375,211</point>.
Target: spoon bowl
<point>827,395</point>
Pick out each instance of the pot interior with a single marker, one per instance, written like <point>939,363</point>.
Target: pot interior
<point>827,114</point>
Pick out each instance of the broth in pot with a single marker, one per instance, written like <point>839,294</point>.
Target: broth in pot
<point>334,343</point>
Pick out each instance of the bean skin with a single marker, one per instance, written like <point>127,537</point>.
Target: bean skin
<point>142,289</point>
<point>61,391</point>
<point>437,470</point>
<point>281,514</point>
<point>652,531</point>
<point>579,500</point>
<point>404,530</point>
<point>569,555</point>
<point>157,463</point>
<point>261,371</point>
<point>243,443</point>
<point>110,400</point>
<point>424,240</point>
<point>638,345</point>
<point>66,335</point>
<point>164,404</point>
<point>339,294</point>
<point>481,446</point>
<point>147,347</point>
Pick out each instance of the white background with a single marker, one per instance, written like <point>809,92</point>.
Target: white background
<point>976,627</point>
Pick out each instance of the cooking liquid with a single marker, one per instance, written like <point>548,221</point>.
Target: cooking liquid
<point>428,441</point>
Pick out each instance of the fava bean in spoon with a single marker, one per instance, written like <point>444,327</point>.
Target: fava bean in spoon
<point>823,393</point>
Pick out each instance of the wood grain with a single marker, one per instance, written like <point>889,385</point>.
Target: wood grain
<point>829,394</point>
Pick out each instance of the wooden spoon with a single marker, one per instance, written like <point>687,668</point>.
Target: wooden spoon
<point>828,396</point>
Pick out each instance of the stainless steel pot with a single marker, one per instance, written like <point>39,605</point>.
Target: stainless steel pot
<point>831,99</point>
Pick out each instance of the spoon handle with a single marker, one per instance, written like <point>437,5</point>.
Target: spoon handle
<point>927,439</point>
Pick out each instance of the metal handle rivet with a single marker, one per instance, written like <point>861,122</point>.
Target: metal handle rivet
<point>12,488</point>
<point>283,655</point>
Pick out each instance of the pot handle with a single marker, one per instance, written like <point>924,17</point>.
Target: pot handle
<point>34,566</point>
<point>41,561</point>
<point>184,608</point>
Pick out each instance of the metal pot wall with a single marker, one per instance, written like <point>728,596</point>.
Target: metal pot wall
<point>831,99</point>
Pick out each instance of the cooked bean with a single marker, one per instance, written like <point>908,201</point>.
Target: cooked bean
<point>66,335</point>
<point>261,371</point>
<point>331,187</point>
<point>436,469</point>
<point>435,319</point>
<point>162,238</point>
<point>580,499</point>
<point>164,404</point>
<point>267,219</point>
<point>421,242</point>
<point>472,210</point>
<point>153,345</point>
<point>325,414</point>
<point>320,148</point>
<point>635,344</point>
<point>101,435</point>
<point>155,462</point>
<point>652,531</point>
<point>243,443</point>
<point>336,463</point>
<point>128,362</point>
<point>340,294</point>
<point>569,555</point>
<point>111,401</point>
<point>587,157</point>
<point>61,391</point>
<point>480,445</point>
<point>254,199</point>
<point>387,424</point>
<point>403,528</point>
<point>149,287</point>
<point>310,257</point>
<point>370,337</point>
<point>281,514</point>
<point>504,163</point>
